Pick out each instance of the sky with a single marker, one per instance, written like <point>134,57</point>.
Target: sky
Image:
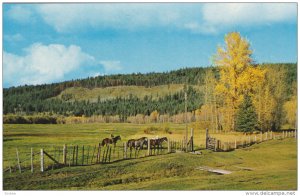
<point>47,43</point>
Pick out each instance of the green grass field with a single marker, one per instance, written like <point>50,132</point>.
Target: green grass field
<point>273,163</point>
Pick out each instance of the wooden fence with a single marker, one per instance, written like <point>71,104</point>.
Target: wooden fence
<point>54,157</point>
<point>219,145</point>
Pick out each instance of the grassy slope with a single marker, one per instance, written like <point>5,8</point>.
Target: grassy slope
<point>80,93</point>
<point>274,162</point>
<point>274,166</point>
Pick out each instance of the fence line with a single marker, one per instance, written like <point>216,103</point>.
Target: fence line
<point>219,145</point>
<point>75,155</point>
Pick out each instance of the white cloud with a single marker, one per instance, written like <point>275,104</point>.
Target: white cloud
<point>196,27</point>
<point>43,64</point>
<point>20,13</point>
<point>111,66</point>
<point>116,15</point>
<point>194,17</point>
<point>220,15</point>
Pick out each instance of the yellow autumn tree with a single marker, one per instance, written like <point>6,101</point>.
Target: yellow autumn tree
<point>290,108</point>
<point>237,76</point>
<point>154,116</point>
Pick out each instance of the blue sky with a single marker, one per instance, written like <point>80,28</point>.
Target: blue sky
<point>45,43</point>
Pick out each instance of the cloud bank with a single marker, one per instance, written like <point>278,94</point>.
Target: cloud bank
<point>43,63</point>
<point>196,17</point>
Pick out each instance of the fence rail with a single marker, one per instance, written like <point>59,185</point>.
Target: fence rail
<point>52,157</point>
<point>83,155</point>
<point>221,145</point>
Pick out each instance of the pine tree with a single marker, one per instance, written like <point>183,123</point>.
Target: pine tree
<point>246,116</point>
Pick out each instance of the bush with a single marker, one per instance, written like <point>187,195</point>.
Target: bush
<point>15,119</point>
<point>151,130</point>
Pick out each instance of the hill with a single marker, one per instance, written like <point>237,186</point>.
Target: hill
<point>123,94</point>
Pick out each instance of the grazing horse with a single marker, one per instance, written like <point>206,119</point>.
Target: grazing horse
<point>139,143</point>
<point>112,140</point>
<point>131,143</point>
<point>158,142</point>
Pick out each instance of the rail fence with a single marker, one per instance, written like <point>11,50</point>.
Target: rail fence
<point>53,157</point>
<point>215,144</point>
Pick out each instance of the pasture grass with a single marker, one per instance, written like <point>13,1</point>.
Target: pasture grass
<point>273,163</point>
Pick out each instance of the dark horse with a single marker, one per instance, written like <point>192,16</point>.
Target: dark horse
<point>137,143</point>
<point>158,142</point>
<point>112,140</point>
<point>131,143</point>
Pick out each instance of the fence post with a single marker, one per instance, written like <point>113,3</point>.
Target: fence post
<point>103,154</point>
<point>98,153</point>
<point>266,135</point>
<point>82,160</point>
<point>169,149</point>
<point>65,154</point>
<point>125,151</point>
<point>255,139</point>
<point>88,154</point>
<point>70,156</point>
<point>109,156</point>
<point>261,137</point>
<point>192,139</point>
<point>76,154</point>
<point>107,149</point>
<point>93,154</point>
<point>73,156</point>
<point>271,135</point>
<point>149,147</point>
<point>295,134</point>
<point>31,159</point>
<point>206,138</point>
<point>42,160</point>
<point>235,144</point>
<point>249,140</point>
<point>18,159</point>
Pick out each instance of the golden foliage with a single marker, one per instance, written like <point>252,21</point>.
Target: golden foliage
<point>237,75</point>
<point>290,108</point>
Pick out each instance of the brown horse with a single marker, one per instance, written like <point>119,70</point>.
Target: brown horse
<point>131,143</point>
<point>112,140</point>
<point>158,142</point>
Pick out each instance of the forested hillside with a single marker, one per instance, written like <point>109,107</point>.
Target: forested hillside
<point>64,100</point>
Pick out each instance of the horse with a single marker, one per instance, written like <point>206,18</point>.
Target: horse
<point>131,143</point>
<point>158,142</point>
<point>112,140</point>
<point>139,143</point>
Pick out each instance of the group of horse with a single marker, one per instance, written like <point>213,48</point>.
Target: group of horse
<point>136,143</point>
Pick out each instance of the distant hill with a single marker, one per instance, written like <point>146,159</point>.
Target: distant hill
<point>122,94</point>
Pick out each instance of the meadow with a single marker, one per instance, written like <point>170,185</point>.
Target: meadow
<point>271,165</point>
